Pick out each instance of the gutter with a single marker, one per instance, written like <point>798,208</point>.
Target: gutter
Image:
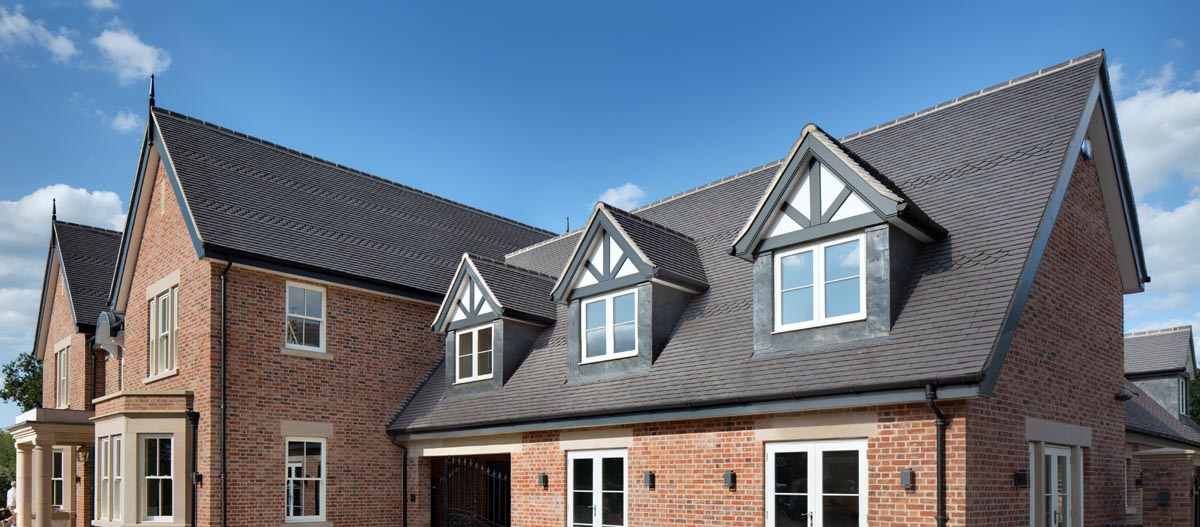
<point>966,385</point>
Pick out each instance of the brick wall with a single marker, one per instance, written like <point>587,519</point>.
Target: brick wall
<point>61,326</point>
<point>1174,475</point>
<point>380,348</point>
<point>1065,364</point>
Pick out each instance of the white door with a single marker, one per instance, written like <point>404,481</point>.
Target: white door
<point>1057,490</point>
<point>596,488</point>
<point>817,484</point>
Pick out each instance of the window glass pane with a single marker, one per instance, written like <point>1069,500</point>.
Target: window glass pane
<point>150,453</point>
<point>612,510</point>
<point>485,363</point>
<point>791,472</point>
<point>623,308</point>
<point>464,367</point>
<point>841,298</point>
<point>464,344</point>
<point>312,303</point>
<point>312,333</point>
<point>595,315</point>
<point>1062,474</point>
<point>152,495</point>
<point>796,306</point>
<point>485,338</point>
<point>295,331</point>
<point>295,301</point>
<point>839,472</point>
<point>582,479</point>
<point>165,497</point>
<point>840,511</point>
<point>57,468</point>
<point>308,498</point>
<point>623,338</point>
<point>595,342</point>
<point>612,474</point>
<point>581,505</point>
<point>312,460</point>
<point>164,457</point>
<point>791,511</point>
<point>796,270</point>
<point>841,260</point>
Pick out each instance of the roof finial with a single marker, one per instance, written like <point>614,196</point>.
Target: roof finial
<point>568,224</point>
<point>53,209</point>
<point>151,90</point>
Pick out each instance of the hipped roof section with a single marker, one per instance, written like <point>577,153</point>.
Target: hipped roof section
<point>1160,351</point>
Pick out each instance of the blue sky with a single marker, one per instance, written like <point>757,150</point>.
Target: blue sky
<point>536,109</point>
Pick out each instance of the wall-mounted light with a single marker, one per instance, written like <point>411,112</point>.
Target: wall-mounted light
<point>730,479</point>
<point>1164,497</point>
<point>1124,396</point>
<point>1021,479</point>
<point>1137,482</point>
<point>648,479</point>
<point>908,478</point>
<point>83,454</point>
<point>543,480</point>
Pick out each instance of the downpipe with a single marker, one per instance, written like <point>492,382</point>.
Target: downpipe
<point>404,495</point>
<point>941,422</point>
<point>224,413</point>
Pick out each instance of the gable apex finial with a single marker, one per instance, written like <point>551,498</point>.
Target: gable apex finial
<point>53,209</point>
<point>151,90</point>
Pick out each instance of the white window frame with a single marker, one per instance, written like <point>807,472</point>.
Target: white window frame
<point>815,451</point>
<point>103,482</point>
<point>597,481</point>
<point>58,459</point>
<point>287,295</point>
<point>62,367</point>
<point>143,478</point>
<point>1183,398</point>
<point>288,518</point>
<point>609,342</point>
<point>459,379</point>
<point>1037,476</point>
<point>818,252</point>
<point>163,361</point>
<point>117,477</point>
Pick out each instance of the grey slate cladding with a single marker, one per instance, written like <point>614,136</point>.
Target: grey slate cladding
<point>1160,351</point>
<point>521,290</point>
<point>668,250</point>
<point>1143,415</point>
<point>256,198</point>
<point>952,309</point>
<point>89,255</point>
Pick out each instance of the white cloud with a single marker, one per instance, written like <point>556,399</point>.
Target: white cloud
<point>101,5</point>
<point>17,30</point>
<point>1160,125</point>
<point>1116,74</point>
<point>1175,43</point>
<point>627,196</point>
<point>129,57</point>
<point>126,121</point>
<point>1172,254</point>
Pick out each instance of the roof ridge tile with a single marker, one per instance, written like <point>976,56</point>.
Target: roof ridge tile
<point>480,258</point>
<point>656,225</point>
<point>1158,331</point>
<point>100,230</point>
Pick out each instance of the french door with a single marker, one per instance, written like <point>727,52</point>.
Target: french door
<point>1057,490</point>
<point>596,488</point>
<point>817,484</point>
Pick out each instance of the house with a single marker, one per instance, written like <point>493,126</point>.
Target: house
<point>1163,441</point>
<point>916,324</point>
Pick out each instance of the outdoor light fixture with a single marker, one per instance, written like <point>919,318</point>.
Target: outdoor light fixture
<point>83,454</point>
<point>1137,482</point>
<point>730,479</point>
<point>648,479</point>
<point>1021,479</point>
<point>543,480</point>
<point>1164,497</point>
<point>908,479</point>
<point>1124,396</point>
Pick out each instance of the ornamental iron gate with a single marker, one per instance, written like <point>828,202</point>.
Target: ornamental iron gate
<point>472,493</point>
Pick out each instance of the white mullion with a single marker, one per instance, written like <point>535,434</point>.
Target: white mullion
<point>474,353</point>
<point>819,278</point>
<point>597,492</point>
<point>609,320</point>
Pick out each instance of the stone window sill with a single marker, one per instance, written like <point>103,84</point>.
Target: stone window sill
<point>321,355</point>
<point>308,523</point>
<point>160,376</point>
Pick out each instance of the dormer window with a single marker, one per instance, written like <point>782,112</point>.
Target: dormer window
<point>820,284</point>
<point>474,354</point>
<point>610,326</point>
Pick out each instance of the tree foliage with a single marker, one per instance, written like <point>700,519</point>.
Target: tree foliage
<point>22,382</point>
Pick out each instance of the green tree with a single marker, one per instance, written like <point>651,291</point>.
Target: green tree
<point>1194,400</point>
<point>8,460</point>
<point>22,381</point>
